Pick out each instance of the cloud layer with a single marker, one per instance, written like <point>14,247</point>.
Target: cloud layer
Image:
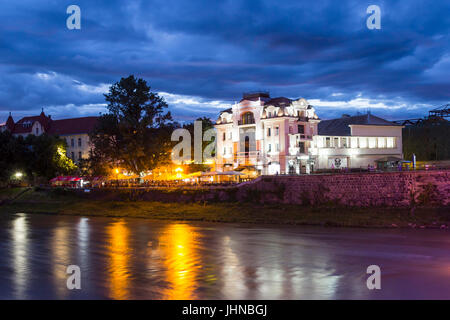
<point>201,55</point>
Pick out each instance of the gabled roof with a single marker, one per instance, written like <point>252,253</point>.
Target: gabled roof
<point>25,125</point>
<point>340,127</point>
<point>73,126</point>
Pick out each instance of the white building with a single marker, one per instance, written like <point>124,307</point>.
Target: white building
<point>280,135</point>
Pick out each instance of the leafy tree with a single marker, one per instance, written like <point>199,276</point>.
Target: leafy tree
<point>37,157</point>
<point>135,133</point>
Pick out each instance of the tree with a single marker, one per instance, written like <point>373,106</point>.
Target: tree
<point>135,133</point>
<point>36,157</point>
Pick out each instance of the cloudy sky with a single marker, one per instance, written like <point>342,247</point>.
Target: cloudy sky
<point>202,55</point>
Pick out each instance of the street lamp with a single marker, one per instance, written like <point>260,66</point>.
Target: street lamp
<point>18,175</point>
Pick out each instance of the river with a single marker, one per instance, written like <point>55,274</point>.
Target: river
<point>124,258</point>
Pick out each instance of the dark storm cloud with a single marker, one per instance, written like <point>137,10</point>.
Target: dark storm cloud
<point>204,54</point>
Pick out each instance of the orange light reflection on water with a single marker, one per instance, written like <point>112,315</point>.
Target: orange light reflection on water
<point>118,250</point>
<point>182,261</point>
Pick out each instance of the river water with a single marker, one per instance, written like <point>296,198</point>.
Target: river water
<point>145,259</point>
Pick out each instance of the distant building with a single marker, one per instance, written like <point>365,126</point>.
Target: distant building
<point>280,135</point>
<point>75,131</point>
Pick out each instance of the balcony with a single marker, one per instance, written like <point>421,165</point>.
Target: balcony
<point>244,123</point>
<point>305,137</point>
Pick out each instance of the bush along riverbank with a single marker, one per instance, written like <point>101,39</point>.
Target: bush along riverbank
<point>130,203</point>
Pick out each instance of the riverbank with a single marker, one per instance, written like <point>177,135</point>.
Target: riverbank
<point>71,203</point>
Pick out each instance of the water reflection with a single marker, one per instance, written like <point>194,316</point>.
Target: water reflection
<point>129,258</point>
<point>83,243</point>
<point>61,257</point>
<point>182,261</point>
<point>118,267</point>
<point>19,236</point>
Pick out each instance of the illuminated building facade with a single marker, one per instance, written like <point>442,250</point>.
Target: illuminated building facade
<point>282,136</point>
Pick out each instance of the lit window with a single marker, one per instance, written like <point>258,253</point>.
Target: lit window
<point>381,143</point>
<point>363,142</point>
<point>344,143</point>
<point>327,142</point>
<point>372,142</point>
<point>354,142</point>
<point>336,142</point>
<point>390,142</point>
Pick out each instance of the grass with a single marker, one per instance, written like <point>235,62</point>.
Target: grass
<point>42,201</point>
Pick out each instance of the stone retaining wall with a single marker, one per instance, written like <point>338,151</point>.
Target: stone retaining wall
<point>396,189</point>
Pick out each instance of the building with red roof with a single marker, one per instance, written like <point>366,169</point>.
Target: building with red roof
<point>74,130</point>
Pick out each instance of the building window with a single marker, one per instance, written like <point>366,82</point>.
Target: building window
<point>224,136</point>
<point>301,129</point>
<point>277,130</point>
<point>381,143</point>
<point>79,142</point>
<point>231,150</point>
<point>247,118</point>
<point>72,143</point>
<point>277,147</point>
<point>270,148</point>
<point>336,142</point>
<point>301,146</point>
<point>37,131</point>
<point>327,142</point>
<point>231,135</point>
<point>224,150</point>
<point>390,142</point>
<point>269,115</point>
<point>372,143</point>
<point>344,143</point>
<point>72,154</point>
<point>80,156</point>
<point>290,129</point>
<point>269,132</point>
<point>363,142</point>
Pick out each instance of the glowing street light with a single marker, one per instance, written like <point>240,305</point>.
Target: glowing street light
<point>18,175</point>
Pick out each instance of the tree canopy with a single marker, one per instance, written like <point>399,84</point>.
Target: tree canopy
<point>35,157</point>
<point>135,133</point>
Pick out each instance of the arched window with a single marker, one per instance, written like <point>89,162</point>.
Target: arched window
<point>247,118</point>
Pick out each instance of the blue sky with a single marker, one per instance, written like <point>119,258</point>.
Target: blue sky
<point>201,55</point>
